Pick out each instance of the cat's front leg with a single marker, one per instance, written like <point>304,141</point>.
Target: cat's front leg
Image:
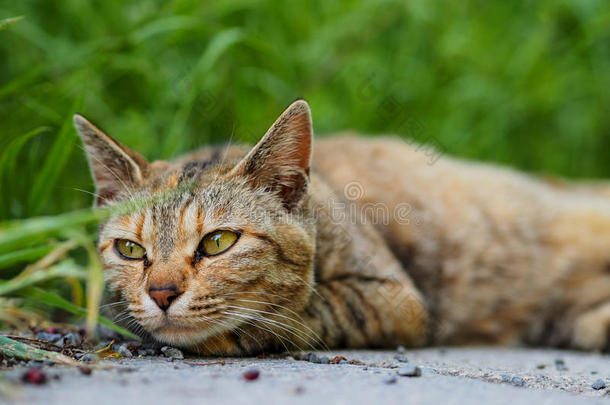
<point>359,312</point>
<point>592,329</point>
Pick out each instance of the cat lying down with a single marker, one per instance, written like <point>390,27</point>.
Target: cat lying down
<point>346,242</point>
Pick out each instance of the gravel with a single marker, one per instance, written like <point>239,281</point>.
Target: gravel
<point>124,351</point>
<point>89,358</point>
<point>560,365</point>
<point>517,381</point>
<point>172,353</point>
<point>401,358</point>
<point>409,371</point>
<point>448,376</point>
<point>599,384</point>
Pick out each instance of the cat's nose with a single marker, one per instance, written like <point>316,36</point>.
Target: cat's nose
<point>163,295</point>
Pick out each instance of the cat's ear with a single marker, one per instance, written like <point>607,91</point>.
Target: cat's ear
<point>280,161</point>
<point>116,169</point>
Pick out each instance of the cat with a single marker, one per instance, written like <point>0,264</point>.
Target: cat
<point>347,242</point>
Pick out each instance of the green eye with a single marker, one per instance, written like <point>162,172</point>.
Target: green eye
<point>217,242</point>
<point>129,250</point>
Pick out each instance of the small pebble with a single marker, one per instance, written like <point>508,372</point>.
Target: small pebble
<point>172,352</point>
<point>598,384</point>
<point>34,376</point>
<point>89,358</point>
<point>506,378</point>
<point>401,358</point>
<point>313,358</point>
<point>517,381</point>
<point>401,350</point>
<point>389,379</point>
<point>343,362</point>
<point>251,375</point>
<point>49,337</point>
<point>85,370</point>
<point>409,371</point>
<point>324,360</point>
<point>560,365</point>
<point>124,351</point>
<point>73,339</point>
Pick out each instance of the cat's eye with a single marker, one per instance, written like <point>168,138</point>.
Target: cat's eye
<point>217,242</point>
<point>129,250</point>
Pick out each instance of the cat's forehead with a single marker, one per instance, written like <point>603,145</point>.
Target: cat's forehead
<point>202,167</point>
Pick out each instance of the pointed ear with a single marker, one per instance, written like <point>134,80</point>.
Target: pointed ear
<point>280,160</point>
<point>115,168</point>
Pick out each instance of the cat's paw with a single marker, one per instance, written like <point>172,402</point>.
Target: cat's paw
<point>592,329</point>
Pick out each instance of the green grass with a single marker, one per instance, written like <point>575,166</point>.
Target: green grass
<point>523,84</point>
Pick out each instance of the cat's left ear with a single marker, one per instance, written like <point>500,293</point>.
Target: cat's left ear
<point>116,169</point>
<point>280,161</point>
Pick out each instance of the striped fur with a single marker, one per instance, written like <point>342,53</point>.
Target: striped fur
<point>481,255</point>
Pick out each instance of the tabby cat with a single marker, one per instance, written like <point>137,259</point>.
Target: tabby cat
<point>348,242</point>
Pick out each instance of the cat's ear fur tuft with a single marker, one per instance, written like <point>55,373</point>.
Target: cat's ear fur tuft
<point>280,161</point>
<point>116,169</point>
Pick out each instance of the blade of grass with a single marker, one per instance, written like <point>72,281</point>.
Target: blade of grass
<point>220,44</point>
<point>53,164</point>
<point>56,301</point>
<point>77,290</point>
<point>23,255</point>
<point>67,268</point>
<point>52,257</point>
<point>13,348</point>
<point>9,22</point>
<point>8,164</point>
<point>163,25</point>
<point>25,233</point>
<point>95,282</point>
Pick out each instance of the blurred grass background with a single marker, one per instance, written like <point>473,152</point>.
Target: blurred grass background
<point>519,83</point>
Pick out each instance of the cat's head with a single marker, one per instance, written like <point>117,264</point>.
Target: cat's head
<point>206,250</point>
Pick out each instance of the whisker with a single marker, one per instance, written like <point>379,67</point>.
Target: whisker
<point>255,292</point>
<point>306,338</point>
<point>112,304</point>
<point>250,320</point>
<point>300,320</point>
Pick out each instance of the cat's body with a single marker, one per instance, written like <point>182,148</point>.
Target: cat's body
<point>371,245</point>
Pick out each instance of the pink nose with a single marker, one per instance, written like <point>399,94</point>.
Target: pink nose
<point>164,295</point>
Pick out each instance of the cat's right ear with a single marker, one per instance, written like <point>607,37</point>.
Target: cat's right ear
<point>116,169</point>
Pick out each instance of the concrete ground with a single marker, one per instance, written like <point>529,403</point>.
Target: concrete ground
<point>449,376</point>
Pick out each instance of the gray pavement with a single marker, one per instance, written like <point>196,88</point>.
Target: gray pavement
<point>449,376</point>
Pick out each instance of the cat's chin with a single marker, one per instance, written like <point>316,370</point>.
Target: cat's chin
<point>184,336</point>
